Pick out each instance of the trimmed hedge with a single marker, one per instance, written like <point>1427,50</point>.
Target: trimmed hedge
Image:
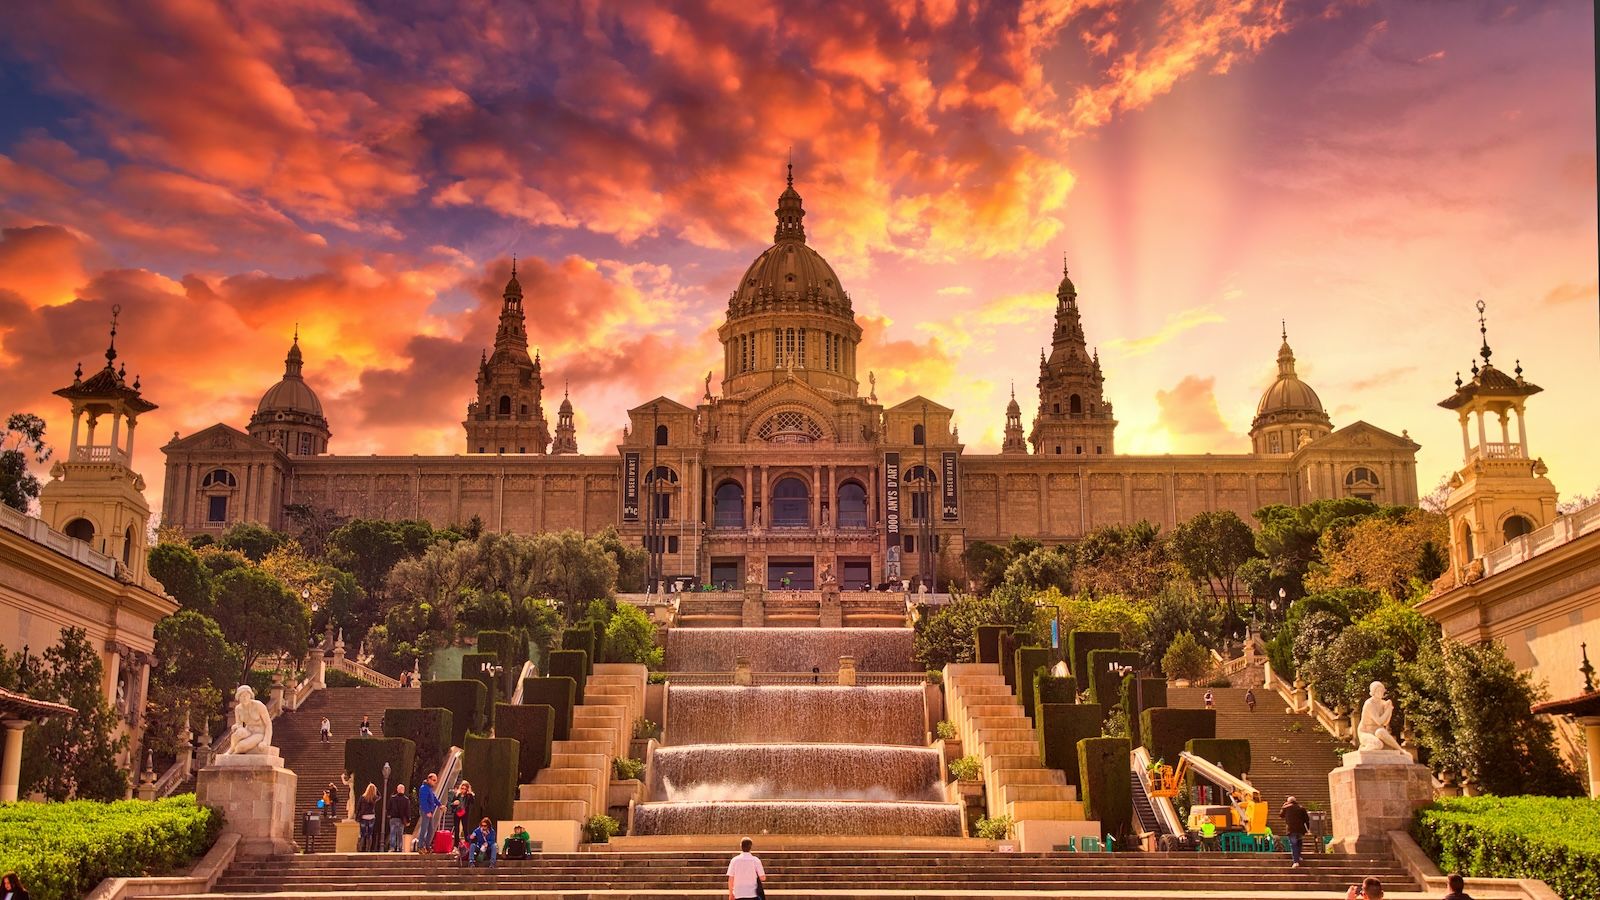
<point>1029,663</point>
<point>472,667</point>
<point>1166,730</point>
<point>987,640</point>
<point>560,694</point>
<point>1154,695</point>
<point>428,728</point>
<point>364,759</point>
<point>1079,643</point>
<point>465,699</point>
<point>1008,659</point>
<point>572,664</point>
<point>581,636</point>
<point>1104,684</point>
<point>491,765</point>
<point>1061,727</point>
<point>533,728</point>
<point>1553,838</point>
<point>1054,689</point>
<point>1106,789</point>
<point>62,850</point>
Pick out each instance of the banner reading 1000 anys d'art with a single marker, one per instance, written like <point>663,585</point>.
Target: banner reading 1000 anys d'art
<point>891,499</point>
<point>630,487</point>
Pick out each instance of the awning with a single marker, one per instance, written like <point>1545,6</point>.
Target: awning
<point>20,706</point>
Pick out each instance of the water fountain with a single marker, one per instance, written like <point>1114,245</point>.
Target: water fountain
<point>789,649</point>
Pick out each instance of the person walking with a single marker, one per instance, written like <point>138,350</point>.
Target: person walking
<point>332,793</point>
<point>399,816</point>
<point>366,726</point>
<point>1298,822</point>
<point>327,731</point>
<point>1211,700</point>
<point>462,806</point>
<point>427,805</point>
<point>11,887</point>
<point>367,815</point>
<point>1458,887</point>
<point>1250,698</point>
<point>745,874</point>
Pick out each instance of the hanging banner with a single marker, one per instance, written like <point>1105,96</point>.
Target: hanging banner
<point>630,487</point>
<point>891,499</point>
<point>952,503</point>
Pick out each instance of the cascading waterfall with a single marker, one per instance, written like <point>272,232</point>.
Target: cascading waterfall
<point>745,772</point>
<point>789,649</point>
<point>809,714</point>
<point>746,817</point>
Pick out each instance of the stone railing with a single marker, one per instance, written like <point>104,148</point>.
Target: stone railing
<point>1495,450</point>
<point>1302,700</point>
<point>340,663</point>
<point>37,531</point>
<point>1542,540</point>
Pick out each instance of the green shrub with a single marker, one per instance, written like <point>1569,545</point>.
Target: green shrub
<point>1186,658</point>
<point>630,637</point>
<point>1105,685</point>
<point>967,768</point>
<point>658,678</point>
<point>472,668</point>
<point>1153,691</point>
<point>491,765</point>
<point>1221,681</point>
<point>623,768</point>
<point>364,759</point>
<point>504,647</point>
<point>1008,659</point>
<point>1061,727</point>
<point>945,730</point>
<point>336,679</point>
<point>465,699</point>
<point>533,728</point>
<point>1105,786</point>
<point>1030,663</point>
<point>1049,688</point>
<point>935,676</point>
<point>997,829</point>
<point>600,829</point>
<point>581,637</point>
<point>1232,754</point>
<point>987,639</point>
<point>1080,643</point>
<point>428,728</point>
<point>1165,730</point>
<point>1555,839</point>
<point>560,694</point>
<point>644,729</point>
<point>62,850</point>
<point>572,664</point>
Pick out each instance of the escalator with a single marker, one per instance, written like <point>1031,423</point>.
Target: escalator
<point>1143,811</point>
<point>1155,814</point>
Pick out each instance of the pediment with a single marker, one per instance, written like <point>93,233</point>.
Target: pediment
<point>665,405</point>
<point>221,438</point>
<point>916,404</point>
<point>1363,436</point>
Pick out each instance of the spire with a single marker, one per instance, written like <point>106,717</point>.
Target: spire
<point>1013,441</point>
<point>1483,331</point>
<point>512,333</point>
<point>111,348</point>
<point>566,440</point>
<point>293,361</point>
<point>789,213</point>
<point>1285,354</point>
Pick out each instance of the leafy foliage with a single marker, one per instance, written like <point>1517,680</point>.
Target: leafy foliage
<point>1041,569</point>
<point>23,438</point>
<point>62,850</point>
<point>623,768</point>
<point>259,613</point>
<point>1133,560</point>
<point>630,638</point>
<point>1185,658</point>
<point>966,768</point>
<point>998,828</point>
<point>182,574</point>
<point>1557,840</point>
<point>946,636</point>
<point>191,654</point>
<point>68,756</point>
<point>600,829</point>
<point>253,540</point>
<point>1211,548</point>
<point>1382,553</point>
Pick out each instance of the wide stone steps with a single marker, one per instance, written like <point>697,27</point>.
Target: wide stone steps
<point>1289,754</point>
<point>575,784</point>
<point>800,874</point>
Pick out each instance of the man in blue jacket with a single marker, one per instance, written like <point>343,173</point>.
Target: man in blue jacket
<point>427,805</point>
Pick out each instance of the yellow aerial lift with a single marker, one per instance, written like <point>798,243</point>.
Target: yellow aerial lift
<point>1247,810</point>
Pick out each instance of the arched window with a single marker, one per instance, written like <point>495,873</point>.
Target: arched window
<point>219,478</point>
<point>852,505</point>
<point>919,435</point>
<point>1075,405</point>
<point>727,505</point>
<point>82,529</point>
<point>1055,408</point>
<point>127,546</point>
<point>921,482</point>
<point>791,504</point>
<point>1466,541</point>
<point>505,404</point>
<point>1516,526</point>
<point>1361,482</point>
<point>661,435</point>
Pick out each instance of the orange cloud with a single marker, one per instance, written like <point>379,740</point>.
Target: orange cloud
<point>1189,413</point>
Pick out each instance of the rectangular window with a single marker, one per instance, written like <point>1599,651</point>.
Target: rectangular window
<point>919,506</point>
<point>672,543</point>
<point>663,506</point>
<point>910,541</point>
<point>217,509</point>
<point>802,349</point>
<point>305,444</point>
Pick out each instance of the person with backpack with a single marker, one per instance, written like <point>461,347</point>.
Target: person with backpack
<point>399,810</point>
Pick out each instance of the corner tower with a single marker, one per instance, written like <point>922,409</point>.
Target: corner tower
<point>1074,418</point>
<point>789,315</point>
<point>94,495</point>
<point>508,415</point>
<point>1500,493</point>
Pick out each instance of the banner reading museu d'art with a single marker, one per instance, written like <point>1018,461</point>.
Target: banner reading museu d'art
<point>630,486</point>
<point>891,499</point>
<point>952,501</point>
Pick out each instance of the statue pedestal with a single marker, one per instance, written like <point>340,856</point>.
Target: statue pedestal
<point>346,836</point>
<point>1374,792</point>
<point>255,795</point>
<point>832,614</point>
<point>754,614</point>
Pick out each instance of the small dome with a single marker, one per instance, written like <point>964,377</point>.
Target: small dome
<point>789,270</point>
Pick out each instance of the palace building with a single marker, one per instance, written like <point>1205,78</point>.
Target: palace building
<point>796,469</point>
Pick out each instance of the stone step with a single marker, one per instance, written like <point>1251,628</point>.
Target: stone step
<point>1027,776</point>
<point>585,748</point>
<point>579,761</point>
<point>1055,810</point>
<point>1014,748</point>
<point>550,790</point>
<point>541,810</point>
<point>1015,791</point>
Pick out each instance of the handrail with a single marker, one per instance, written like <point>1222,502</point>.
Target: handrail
<point>529,670</point>
<point>365,673</point>
<point>1303,701</point>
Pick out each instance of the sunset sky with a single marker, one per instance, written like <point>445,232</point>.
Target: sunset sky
<point>1364,170</point>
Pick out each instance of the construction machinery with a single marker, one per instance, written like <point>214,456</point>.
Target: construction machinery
<point>1246,810</point>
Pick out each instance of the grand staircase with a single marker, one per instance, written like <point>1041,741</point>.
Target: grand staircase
<point>574,785</point>
<point>837,874</point>
<point>1289,754</point>
<point>315,764</point>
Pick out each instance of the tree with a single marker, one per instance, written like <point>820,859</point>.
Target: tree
<point>370,548</point>
<point>947,635</point>
<point>1128,618</point>
<point>1041,569</point>
<point>183,575</point>
<point>311,526</point>
<point>69,756</point>
<point>631,561</point>
<point>1382,553</point>
<point>1211,547</point>
<point>1435,500</point>
<point>573,569</point>
<point>1186,658</point>
<point>260,615</point>
<point>1132,560</point>
<point>986,565</point>
<point>24,437</point>
<point>1576,502</point>
<point>1289,535</point>
<point>253,540</point>
<point>630,638</point>
<point>192,656</point>
<point>1176,609</point>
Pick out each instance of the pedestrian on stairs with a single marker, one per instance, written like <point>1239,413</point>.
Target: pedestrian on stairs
<point>427,805</point>
<point>745,874</point>
<point>399,816</point>
<point>367,815</point>
<point>1250,698</point>
<point>366,725</point>
<point>1298,821</point>
<point>1211,700</point>
<point>327,731</point>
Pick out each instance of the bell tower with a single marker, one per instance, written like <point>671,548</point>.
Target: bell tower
<point>1074,418</point>
<point>508,414</point>
<point>1500,492</point>
<point>94,495</point>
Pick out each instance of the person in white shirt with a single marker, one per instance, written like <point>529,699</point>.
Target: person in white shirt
<point>745,875</point>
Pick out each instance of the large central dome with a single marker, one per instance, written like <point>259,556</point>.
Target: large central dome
<point>789,315</point>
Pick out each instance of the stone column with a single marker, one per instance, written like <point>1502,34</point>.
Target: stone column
<point>11,760</point>
<point>832,613</point>
<point>317,669</point>
<point>1591,735</point>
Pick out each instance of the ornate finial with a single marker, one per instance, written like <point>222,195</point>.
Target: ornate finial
<point>1474,368</point>
<point>77,374</point>
<point>789,181</point>
<point>1483,330</point>
<point>513,265</point>
<point>1587,669</point>
<point>1063,262</point>
<point>111,349</point>
<point>1013,389</point>
<point>1518,369</point>
<point>1458,379</point>
<point>566,388</point>
<point>136,382</point>
<point>297,332</point>
<point>1284,325</point>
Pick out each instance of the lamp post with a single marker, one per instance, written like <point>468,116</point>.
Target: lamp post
<point>383,810</point>
<point>652,530</point>
<point>925,527</point>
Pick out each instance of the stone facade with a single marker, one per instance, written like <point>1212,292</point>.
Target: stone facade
<point>792,470</point>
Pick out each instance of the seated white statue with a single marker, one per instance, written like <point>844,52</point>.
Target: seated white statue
<point>1373,733</point>
<point>252,724</point>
